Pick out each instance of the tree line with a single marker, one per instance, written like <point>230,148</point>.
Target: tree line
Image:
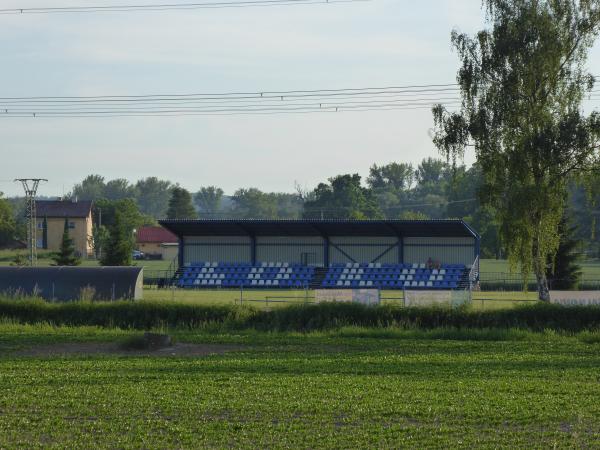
<point>434,189</point>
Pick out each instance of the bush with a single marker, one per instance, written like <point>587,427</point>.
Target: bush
<point>150,315</point>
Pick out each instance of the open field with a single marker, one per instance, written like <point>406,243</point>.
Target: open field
<point>489,268</point>
<point>347,388</point>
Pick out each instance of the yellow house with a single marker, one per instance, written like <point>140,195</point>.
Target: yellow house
<point>51,216</point>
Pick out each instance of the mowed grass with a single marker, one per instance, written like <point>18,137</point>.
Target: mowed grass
<point>347,388</point>
<point>280,298</point>
<point>44,259</point>
<point>490,268</point>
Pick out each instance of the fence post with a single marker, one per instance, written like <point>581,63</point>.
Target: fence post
<point>241,294</point>
<point>305,294</point>
<point>113,292</point>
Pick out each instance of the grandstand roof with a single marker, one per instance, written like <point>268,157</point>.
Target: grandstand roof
<point>405,228</point>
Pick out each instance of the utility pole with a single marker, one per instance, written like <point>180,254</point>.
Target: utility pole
<point>30,185</point>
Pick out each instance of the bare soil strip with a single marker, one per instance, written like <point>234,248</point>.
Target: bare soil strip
<point>96,348</point>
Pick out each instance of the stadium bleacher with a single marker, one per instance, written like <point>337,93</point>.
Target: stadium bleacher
<point>350,275</point>
<point>393,276</point>
<point>235,275</point>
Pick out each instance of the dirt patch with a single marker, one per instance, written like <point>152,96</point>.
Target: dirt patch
<point>99,348</point>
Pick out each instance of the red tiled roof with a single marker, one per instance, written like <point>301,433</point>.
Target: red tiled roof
<point>157,235</point>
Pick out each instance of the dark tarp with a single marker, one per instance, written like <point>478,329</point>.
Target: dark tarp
<point>73,283</point>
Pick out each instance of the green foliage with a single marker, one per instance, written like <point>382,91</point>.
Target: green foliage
<point>153,196</point>
<point>412,215</point>
<point>91,188</point>
<point>101,236</point>
<point>146,315</point>
<point>253,203</point>
<point>180,205</point>
<point>208,200</point>
<point>563,271</point>
<point>343,198</point>
<point>120,245</point>
<point>105,212</point>
<point>522,82</point>
<point>119,189</point>
<point>397,176</point>
<point>66,255</point>
<point>19,260</point>
<point>7,222</point>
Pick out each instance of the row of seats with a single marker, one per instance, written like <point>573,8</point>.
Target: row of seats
<point>394,276</point>
<point>391,284</point>
<point>287,275</point>
<point>235,275</point>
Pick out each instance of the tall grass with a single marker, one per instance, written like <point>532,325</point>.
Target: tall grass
<point>151,314</point>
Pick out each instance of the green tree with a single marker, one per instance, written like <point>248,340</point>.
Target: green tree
<point>343,198</point>
<point>208,200</point>
<point>7,222</point>
<point>180,205</point>
<point>66,256</point>
<point>563,271</point>
<point>119,189</point>
<point>153,196</point>
<point>522,82</point>
<point>397,176</point>
<point>91,188</point>
<point>413,215</point>
<point>252,203</point>
<point>105,215</point>
<point>120,245</point>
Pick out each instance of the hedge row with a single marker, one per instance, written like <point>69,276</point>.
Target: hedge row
<point>146,315</point>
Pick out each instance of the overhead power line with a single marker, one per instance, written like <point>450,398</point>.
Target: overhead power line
<point>228,103</point>
<point>170,6</point>
<point>389,98</point>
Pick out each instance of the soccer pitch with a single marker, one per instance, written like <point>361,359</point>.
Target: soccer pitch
<point>350,388</point>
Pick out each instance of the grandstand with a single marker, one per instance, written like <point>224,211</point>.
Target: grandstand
<point>284,254</point>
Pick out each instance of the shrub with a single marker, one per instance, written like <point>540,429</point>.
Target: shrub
<point>151,315</point>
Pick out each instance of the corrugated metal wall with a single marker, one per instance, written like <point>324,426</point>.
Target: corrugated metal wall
<point>447,250</point>
<point>302,250</point>
<point>346,249</point>
<point>216,248</point>
<point>309,249</point>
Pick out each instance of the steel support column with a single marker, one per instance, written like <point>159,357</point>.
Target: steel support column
<point>400,250</point>
<point>253,249</point>
<point>326,252</point>
<point>181,252</point>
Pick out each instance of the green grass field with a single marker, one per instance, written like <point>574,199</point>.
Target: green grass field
<point>8,256</point>
<point>348,388</point>
<point>490,268</point>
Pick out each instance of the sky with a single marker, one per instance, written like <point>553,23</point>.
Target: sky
<point>319,46</point>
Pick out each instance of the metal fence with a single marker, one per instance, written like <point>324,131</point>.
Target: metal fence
<point>274,298</point>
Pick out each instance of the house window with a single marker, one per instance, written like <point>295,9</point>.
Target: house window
<point>71,225</point>
<point>40,225</point>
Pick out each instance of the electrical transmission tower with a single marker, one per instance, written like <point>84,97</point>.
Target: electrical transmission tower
<point>31,185</point>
